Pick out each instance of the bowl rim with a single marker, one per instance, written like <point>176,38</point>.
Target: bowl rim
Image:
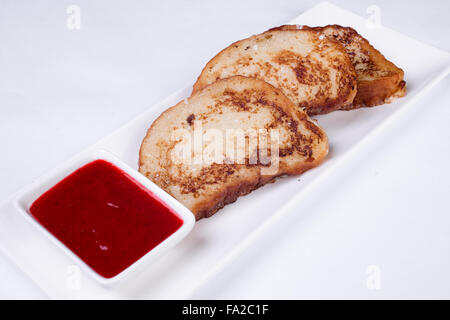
<point>26,197</point>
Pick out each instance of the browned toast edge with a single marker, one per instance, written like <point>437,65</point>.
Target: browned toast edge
<point>344,98</point>
<point>375,92</point>
<point>241,188</point>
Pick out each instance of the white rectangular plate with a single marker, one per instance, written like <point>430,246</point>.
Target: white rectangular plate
<point>214,242</point>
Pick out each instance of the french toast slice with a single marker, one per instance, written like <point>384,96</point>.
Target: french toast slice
<point>247,133</point>
<point>314,72</point>
<point>379,81</point>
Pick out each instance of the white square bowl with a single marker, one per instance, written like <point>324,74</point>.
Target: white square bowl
<point>25,199</point>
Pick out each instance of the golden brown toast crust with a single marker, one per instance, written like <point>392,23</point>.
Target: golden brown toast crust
<point>319,79</point>
<point>379,80</point>
<point>208,188</point>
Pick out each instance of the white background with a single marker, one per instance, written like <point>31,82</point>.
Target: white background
<point>61,90</point>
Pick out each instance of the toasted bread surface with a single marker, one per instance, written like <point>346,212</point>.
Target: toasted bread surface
<point>314,72</point>
<point>236,103</point>
<point>379,81</point>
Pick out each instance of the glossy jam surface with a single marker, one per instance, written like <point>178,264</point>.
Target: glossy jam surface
<point>105,217</point>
